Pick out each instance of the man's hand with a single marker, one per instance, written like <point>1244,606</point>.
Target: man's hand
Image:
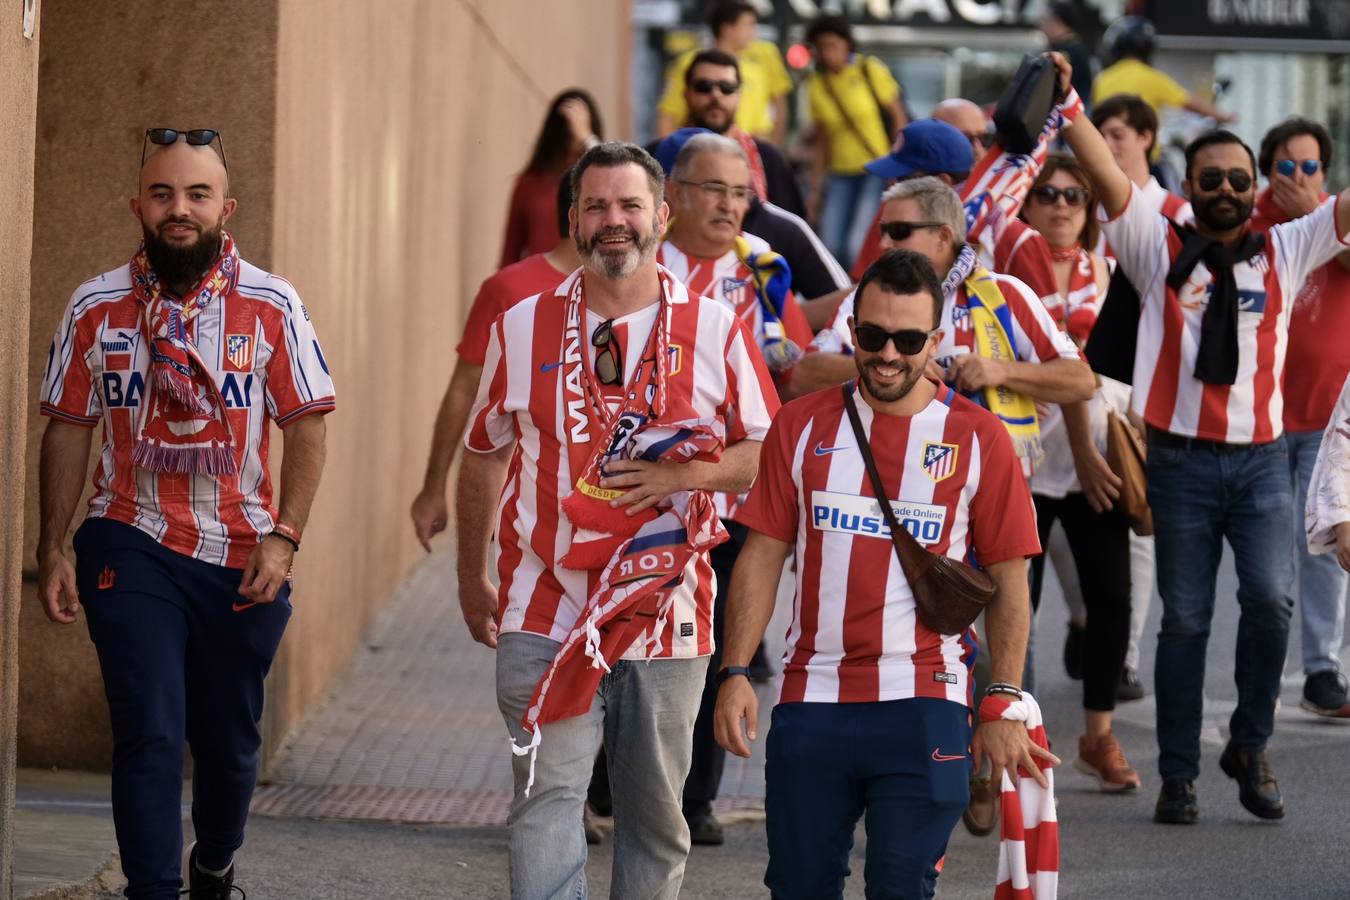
<point>972,372</point>
<point>1100,485</point>
<point>1065,71</point>
<point>266,569</point>
<point>1296,198</point>
<point>429,513</point>
<point>1008,744</point>
<point>56,587</point>
<point>478,604</point>
<point>648,483</point>
<point>935,371</point>
<point>1342,545</point>
<point>736,700</point>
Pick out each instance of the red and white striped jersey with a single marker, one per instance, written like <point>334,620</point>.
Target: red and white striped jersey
<point>261,349</point>
<point>1166,392</point>
<point>1159,199</point>
<point>524,398</point>
<point>955,484</point>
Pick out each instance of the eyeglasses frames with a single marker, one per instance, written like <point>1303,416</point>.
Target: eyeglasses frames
<point>1049,195</point>
<point>608,356</point>
<point>873,338</point>
<point>716,190</point>
<point>706,86</point>
<point>903,231</point>
<point>1286,167</point>
<point>195,137</point>
<point>1212,179</point>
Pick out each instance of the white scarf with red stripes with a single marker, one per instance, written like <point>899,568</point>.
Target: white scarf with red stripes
<point>1028,852</point>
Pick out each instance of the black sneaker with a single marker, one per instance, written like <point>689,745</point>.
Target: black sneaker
<point>1325,695</point>
<point>1177,804</point>
<point>202,886</point>
<point>1073,651</point>
<point>1258,792</point>
<point>1129,687</point>
<point>705,830</point>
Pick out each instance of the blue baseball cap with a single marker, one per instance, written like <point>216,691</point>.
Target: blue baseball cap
<point>926,147</point>
<point>670,147</point>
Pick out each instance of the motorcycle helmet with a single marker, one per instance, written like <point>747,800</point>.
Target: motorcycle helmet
<point>1130,37</point>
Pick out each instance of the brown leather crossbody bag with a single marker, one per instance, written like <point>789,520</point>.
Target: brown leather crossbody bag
<point>948,594</point>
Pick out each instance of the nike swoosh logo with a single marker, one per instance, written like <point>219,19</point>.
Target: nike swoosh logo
<point>240,607</point>
<point>822,450</point>
<point>939,756</point>
<point>548,367</point>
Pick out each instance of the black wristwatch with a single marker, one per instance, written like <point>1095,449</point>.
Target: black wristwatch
<point>731,671</point>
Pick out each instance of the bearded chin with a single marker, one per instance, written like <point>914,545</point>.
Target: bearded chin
<point>177,265</point>
<point>888,395</point>
<point>619,266</point>
<point>1222,221</point>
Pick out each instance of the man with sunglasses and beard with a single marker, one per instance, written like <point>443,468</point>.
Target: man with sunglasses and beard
<point>623,402</point>
<point>872,716</point>
<point>1208,382</point>
<point>187,355</point>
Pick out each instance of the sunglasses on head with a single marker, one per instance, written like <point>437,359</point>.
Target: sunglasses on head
<point>706,86</point>
<point>1212,179</point>
<point>873,338</point>
<point>608,356</point>
<point>1049,195</point>
<point>903,231</point>
<point>195,137</point>
<point>1286,167</point>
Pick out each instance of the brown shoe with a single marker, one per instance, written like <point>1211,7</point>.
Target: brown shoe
<point>981,816</point>
<point>1104,761</point>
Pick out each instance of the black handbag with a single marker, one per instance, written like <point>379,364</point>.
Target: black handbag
<point>1022,110</point>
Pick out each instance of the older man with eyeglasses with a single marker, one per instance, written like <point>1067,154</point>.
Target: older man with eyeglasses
<point>187,355</point>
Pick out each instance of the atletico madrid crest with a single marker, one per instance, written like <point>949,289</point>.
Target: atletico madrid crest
<point>239,351</point>
<point>939,460</point>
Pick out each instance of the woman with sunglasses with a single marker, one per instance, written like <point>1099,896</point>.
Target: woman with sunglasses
<point>571,125</point>
<point>1058,225</point>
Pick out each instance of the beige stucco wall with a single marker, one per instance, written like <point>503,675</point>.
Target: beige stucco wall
<point>18,110</point>
<point>372,148</point>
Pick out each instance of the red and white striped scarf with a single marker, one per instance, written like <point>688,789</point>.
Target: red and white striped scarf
<point>183,427</point>
<point>1028,852</point>
<point>757,180</point>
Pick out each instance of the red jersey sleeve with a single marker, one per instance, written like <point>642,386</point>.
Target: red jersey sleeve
<point>490,426</point>
<point>1022,252</point>
<point>298,381</point>
<point>68,392</point>
<point>1002,517</point>
<point>772,507</point>
<point>751,399</point>
<point>488,304</point>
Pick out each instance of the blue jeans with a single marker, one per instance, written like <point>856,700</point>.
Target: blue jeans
<point>645,713</point>
<point>1321,580</point>
<point>902,763</point>
<point>851,203</point>
<point>179,662</point>
<point>1201,495</point>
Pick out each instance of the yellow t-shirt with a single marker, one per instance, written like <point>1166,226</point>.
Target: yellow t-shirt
<point>764,78</point>
<point>847,153</point>
<point>1131,76</point>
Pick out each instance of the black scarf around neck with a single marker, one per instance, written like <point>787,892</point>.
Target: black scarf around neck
<point>1216,362</point>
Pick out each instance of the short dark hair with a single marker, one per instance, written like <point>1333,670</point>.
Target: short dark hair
<point>835,25</point>
<point>1132,110</point>
<point>564,204</point>
<point>1289,129</point>
<point>728,12</point>
<point>711,57</point>
<point>902,271</point>
<point>1214,138</point>
<point>611,155</point>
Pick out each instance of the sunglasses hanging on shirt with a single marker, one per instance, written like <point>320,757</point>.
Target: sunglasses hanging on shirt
<point>608,356</point>
<point>1239,180</point>
<point>873,338</point>
<point>195,137</point>
<point>1286,167</point>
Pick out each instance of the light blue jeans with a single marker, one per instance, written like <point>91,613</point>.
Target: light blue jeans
<point>851,203</point>
<point>1321,580</point>
<point>645,713</point>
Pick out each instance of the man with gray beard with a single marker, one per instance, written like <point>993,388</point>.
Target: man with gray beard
<point>608,411</point>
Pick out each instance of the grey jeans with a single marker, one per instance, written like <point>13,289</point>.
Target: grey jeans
<point>644,711</point>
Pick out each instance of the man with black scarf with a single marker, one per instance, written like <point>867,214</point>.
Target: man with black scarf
<point>1208,369</point>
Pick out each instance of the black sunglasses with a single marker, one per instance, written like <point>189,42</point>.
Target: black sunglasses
<point>903,231</point>
<point>1049,195</point>
<point>1309,166</point>
<point>608,356</point>
<point>196,137</point>
<point>706,85</point>
<point>873,338</point>
<point>1211,179</point>
<point>983,138</point>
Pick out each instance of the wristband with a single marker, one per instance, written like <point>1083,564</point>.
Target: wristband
<point>731,672</point>
<point>287,534</point>
<point>1003,687</point>
<point>1071,107</point>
